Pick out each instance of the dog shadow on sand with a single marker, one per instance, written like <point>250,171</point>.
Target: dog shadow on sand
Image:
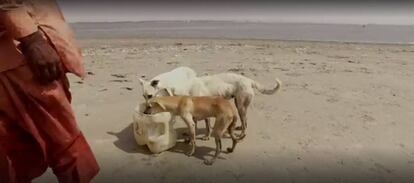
<point>201,152</point>
<point>126,142</point>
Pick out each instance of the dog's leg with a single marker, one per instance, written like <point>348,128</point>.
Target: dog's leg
<point>243,119</point>
<point>242,103</point>
<point>240,109</point>
<point>196,128</point>
<point>195,124</point>
<point>235,141</point>
<point>230,150</point>
<point>188,119</point>
<point>208,129</point>
<point>218,150</point>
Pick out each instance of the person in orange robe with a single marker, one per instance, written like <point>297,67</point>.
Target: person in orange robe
<point>37,124</point>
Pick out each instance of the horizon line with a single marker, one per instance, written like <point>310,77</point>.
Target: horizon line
<point>241,21</point>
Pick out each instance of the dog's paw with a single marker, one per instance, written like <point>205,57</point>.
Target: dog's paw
<point>185,134</point>
<point>205,138</point>
<point>187,140</point>
<point>226,135</point>
<point>241,136</point>
<point>229,149</point>
<point>190,153</point>
<point>208,162</point>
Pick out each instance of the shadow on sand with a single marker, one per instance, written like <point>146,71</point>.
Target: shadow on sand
<point>183,147</point>
<point>125,141</point>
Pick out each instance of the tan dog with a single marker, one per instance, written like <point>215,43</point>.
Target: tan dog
<point>198,108</point>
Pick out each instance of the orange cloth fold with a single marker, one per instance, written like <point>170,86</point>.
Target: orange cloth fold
<point>38,130</point>
<point>20,18</point>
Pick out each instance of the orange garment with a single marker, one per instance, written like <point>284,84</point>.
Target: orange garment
<point>37,124</point>
<point>19,19</point>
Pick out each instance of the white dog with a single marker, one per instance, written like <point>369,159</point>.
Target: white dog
<point>175,80</point>
<point>228,85</point>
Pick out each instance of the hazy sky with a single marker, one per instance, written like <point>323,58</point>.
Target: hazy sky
<point>362,12</point>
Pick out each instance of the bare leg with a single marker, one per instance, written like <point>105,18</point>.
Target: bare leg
<point>218,150</point>
<point>188,119</point>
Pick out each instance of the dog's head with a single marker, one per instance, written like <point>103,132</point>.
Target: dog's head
<point>154,106</point>
<point>149,88</point>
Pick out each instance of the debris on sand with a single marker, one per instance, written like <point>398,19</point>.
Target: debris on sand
<point>280,68</point>
<point>120,80</point>
<point>238,68</point>
<point>252,70</point>
<point>235,44</point>
<point>118,75</point>
<point>127,88</point>
<point>172,62</point>
<point>353,62</point>
<point>235,69</point>
<point>301,50</point>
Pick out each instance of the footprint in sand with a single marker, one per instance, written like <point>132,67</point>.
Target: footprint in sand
<point>367,118</point>
<point>332,99</point>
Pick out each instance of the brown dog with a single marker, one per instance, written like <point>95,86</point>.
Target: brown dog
<point>198,108</point>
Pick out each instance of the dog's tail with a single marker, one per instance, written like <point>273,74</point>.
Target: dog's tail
<point>231,129</point>
<point>267,91</point>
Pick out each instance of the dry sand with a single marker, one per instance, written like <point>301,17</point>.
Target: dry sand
<point>345,112</point>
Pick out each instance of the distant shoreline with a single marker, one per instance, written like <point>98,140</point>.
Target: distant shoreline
<point>350,33</point>
<point>236,21</point>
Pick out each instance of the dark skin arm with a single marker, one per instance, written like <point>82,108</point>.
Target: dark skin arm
<point>40,55</point>
<point>41,58</point>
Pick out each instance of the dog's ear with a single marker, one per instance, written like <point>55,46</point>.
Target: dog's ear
<point>154,83</point>
<point>141,81</point>
<point>159,92</point>
<point>169,92</point>
<point>164,92</point>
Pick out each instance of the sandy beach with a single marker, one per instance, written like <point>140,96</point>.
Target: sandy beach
<point>344,114</point>
<point>360,33</point>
